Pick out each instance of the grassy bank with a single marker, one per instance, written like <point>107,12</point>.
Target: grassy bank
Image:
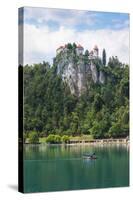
<point>69,139</point>
<point>65,139</point>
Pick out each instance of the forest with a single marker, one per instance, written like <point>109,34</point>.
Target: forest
<point>50,108</point>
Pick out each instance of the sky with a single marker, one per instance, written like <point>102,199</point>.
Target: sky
<point>46,29</point>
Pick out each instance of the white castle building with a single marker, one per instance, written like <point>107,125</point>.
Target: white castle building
<point>94,53</point>
<point>79,50</point>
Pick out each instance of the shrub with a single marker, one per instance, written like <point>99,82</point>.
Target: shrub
<point>65,138</point>
<point>50,138</point>
<point>33,137</point>
<point>119,130</point>
<point>53,139</point>
<point>57,138</point>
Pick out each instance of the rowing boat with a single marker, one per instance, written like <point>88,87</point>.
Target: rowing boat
<point>90,156</point>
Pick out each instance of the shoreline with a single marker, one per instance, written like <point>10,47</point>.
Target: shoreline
<point>86,142</point>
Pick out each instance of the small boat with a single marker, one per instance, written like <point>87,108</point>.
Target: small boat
<point>90,156</point>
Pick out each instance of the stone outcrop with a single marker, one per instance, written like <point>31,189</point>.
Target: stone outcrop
<point>77,70</point>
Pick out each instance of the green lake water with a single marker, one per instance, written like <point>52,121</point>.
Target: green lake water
<point>54,168</point>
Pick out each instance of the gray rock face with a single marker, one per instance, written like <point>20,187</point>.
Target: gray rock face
<point>77,72</point>
<point>101,77</point>
<point>94,72</point>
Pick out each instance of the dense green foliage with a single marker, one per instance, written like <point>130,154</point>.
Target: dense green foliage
<point>33,137</point>
<point>50,108</point>
<point>53,139</point>
<point>65,139</point>
<point>57,139</point>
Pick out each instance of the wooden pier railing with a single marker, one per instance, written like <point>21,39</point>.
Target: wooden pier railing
<point>100,141</point>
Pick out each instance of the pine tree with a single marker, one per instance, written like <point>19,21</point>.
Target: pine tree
<point>86,53</point>
<point>104,57</point>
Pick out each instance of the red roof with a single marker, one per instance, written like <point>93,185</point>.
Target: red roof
<point>79,46</point>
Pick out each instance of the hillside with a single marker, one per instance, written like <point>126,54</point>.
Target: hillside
<point>77,69</point>
<point>78,94</point>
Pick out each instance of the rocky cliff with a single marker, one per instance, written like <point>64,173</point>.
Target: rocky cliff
<point>77,70</point>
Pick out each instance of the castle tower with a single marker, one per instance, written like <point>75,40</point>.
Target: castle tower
<point>96,51</point>
<point>91,54</point>
<point>79,50</point>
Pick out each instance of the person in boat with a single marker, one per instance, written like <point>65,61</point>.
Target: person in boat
<point>93,155</point>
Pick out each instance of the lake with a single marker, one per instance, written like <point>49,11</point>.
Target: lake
<point>58,167</point>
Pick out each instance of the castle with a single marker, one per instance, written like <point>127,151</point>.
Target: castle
<point>79,50</point>
<point>76,66</point>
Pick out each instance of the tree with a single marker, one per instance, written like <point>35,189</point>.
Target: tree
<point>74,123</point>
<point>53,139</point>
<point>86,53</point>
<point>98,102</point>
<point>115,130</point>
<point>104,57</point>
<point>114,62</point>
<point>50,139</point>
<point>69,46</point>
<point>74,46</point>
<point>65,138</point>
<point>96,130</point>
<point>50,108</point>
<point>57,139</point>
<point>33,137</point>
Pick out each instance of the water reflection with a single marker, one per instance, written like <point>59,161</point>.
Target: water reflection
<point>60,167</point>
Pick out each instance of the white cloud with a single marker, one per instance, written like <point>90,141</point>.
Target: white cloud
<point>68,18</point>
<point>41,43</point>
